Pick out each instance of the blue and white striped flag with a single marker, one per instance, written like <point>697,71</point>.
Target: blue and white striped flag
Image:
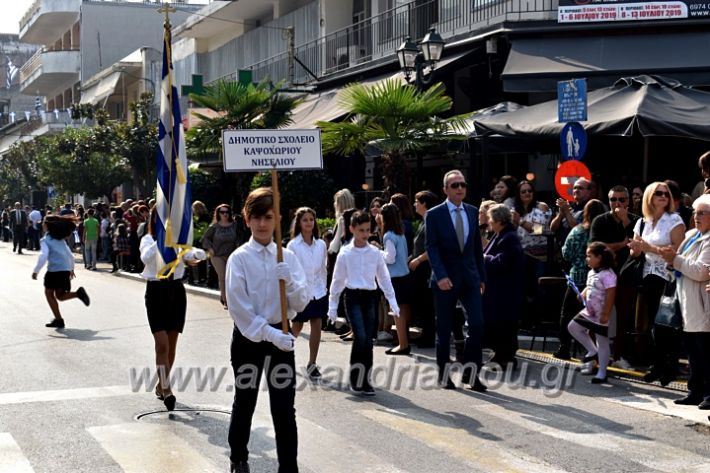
<point>173,197</point>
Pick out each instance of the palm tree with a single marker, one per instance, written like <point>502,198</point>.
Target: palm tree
<point>399,119</point>
<point>237,107</point>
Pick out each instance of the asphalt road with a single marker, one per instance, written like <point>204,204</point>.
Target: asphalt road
<point>67,403</point>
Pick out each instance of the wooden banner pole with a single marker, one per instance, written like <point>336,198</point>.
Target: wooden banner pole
<point>279,248</point>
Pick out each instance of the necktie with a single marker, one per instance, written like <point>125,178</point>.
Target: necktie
<point>459,228</point>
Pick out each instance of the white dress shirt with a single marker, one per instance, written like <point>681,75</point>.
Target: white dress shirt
<point>35,217</point>
<point>314,260</point>
<point>357,268</point>
<point>149,252</point>
<point>253,289</point>
<point>452,212</point>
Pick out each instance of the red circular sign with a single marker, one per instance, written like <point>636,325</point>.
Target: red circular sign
<point>567,174</point>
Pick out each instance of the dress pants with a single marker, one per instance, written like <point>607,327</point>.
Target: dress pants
<point>445,304</point>
<point>18,238</point>
<point>249,361</point>
<point>698,346</point>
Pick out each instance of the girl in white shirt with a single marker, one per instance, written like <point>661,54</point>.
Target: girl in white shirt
<point>166,304</point>
<point>312,254</point>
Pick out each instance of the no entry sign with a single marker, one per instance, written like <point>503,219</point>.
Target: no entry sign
<point>567,174</point>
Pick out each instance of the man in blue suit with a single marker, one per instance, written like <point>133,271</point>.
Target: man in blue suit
<point>453,244</point>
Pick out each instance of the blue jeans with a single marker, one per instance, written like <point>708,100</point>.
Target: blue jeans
<point>105,247</point>
<point>360,305</point>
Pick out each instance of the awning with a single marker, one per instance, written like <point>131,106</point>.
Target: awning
<point>101,90</point>
<point>535,65</point>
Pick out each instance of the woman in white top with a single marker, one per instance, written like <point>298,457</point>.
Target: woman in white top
<point>659,228</point>
<point>312,255</point>
<point>165,303</point>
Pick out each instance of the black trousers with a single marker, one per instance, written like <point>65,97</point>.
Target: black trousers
<point>18,238</point>
<point>698,346</point>
<point>249,361</point>
<point>423,306</point>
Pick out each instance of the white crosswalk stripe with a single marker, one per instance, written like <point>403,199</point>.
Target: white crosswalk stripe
<point>141,447</point>
<point>488,456</point>
<point>652,454</point>
<point>12,460</point>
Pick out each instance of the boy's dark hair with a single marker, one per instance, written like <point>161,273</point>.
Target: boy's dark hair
<point>598,248</point>
<point>90,212</point>
<point>60,227</point>
<point>358,218</point>
<point>258,203</point>
<point>391,220</point>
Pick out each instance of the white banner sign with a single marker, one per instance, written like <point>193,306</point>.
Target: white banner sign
<point>264,150</point>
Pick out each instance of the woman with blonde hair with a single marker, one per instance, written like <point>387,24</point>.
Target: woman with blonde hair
<point>659,228</point>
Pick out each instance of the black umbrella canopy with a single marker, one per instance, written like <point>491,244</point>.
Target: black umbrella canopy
<point>652,105</point>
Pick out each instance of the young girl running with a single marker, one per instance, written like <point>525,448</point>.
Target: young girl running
<point>357,267</point>
<point>60,266</point>
<point>598,297</point>
<point>312,254</point>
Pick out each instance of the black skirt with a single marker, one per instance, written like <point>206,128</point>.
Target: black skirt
<point>315,309</point>
<point>58,280</point>
<point>166,304</point>
<point>595,328</point>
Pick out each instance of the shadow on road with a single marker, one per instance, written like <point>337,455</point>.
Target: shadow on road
<point>81,334</point>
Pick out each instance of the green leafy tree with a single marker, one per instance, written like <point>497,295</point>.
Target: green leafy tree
<point>82,161</point>
<point>399,119</point>
<point>19,172</point>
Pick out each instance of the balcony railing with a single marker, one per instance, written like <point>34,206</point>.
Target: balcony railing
<point>35,62</point>
<point>380,35</point>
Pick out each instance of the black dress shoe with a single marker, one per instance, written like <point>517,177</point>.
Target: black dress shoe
<point>667,379</point>
<point>596,380</point>
<point>705,405</point>
<point>169,402</point>
<point>688,401</point>
<point>478,386</point>
<point>56,323</point>
<point>652,376</point>
<point>594,357</point>
<point>401,351</point>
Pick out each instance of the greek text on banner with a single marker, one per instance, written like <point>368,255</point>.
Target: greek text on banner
<point>260,150</point>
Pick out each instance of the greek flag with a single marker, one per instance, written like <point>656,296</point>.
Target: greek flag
<point>173,230</point>
<point>10,73</point>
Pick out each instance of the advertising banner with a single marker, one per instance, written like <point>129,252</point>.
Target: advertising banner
<point>586,11</point>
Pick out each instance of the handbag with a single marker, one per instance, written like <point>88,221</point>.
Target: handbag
<point>668,314</point>
<point>631,273</point>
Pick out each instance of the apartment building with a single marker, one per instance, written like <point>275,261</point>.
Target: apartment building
<point>79,38</point>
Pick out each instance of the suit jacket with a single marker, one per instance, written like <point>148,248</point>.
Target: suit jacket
<point>446,258</point>
<point>23,219</point>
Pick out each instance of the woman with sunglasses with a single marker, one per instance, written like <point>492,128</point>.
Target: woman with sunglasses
<point>220,240</point>
<point>659,228</point>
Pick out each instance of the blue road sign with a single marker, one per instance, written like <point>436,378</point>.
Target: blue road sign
<point>572,100</point>
<point>573,141</point>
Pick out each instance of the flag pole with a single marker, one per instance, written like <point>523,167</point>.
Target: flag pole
<point>279,248</point>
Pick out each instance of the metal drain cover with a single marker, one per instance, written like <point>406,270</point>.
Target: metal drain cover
<point>196,414</point>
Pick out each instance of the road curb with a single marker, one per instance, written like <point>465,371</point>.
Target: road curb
<point>197,291</point>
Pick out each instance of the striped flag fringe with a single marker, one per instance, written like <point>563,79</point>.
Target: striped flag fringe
<point>173,196</point>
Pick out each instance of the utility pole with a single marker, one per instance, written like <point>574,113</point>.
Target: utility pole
<point>291,48</point>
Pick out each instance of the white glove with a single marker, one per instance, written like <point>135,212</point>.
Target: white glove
<point>199,254</point>
<point>282,341</point>
<point>393,313</point>
<point>333,316</point>
<point>283,272</point>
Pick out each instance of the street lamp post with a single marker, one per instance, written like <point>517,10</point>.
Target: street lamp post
<point>412,59</point>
